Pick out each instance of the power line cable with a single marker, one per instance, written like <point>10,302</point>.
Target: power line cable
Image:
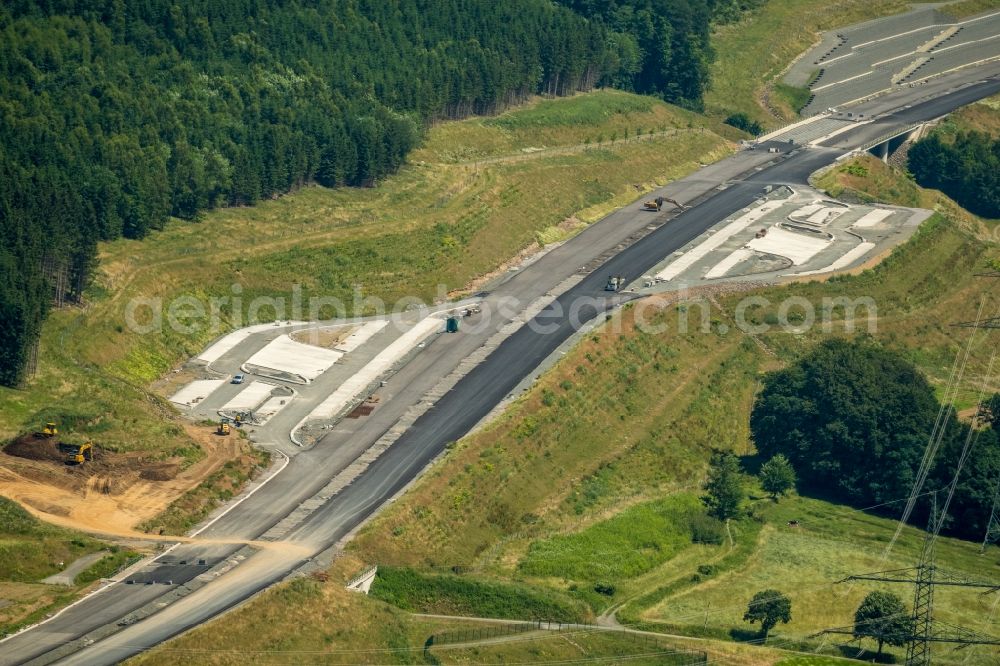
<point>937,434</point>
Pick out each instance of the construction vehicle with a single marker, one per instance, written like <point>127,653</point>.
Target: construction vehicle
<point>50,430</point>
<point>657,203</point>
<point>615,282</point>
<point>223,428</point>
<point>78,453</point>
<point>661,200</point>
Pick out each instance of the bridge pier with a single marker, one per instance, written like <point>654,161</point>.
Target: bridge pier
<point>889,145</point>
<point>882,151</point>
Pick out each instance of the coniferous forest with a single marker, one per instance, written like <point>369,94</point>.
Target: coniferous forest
<point>116,114</point>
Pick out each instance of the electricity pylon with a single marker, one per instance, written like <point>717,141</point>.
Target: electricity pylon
<point>925,577</point>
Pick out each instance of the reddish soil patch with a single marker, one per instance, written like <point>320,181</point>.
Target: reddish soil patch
<point>364,409</point>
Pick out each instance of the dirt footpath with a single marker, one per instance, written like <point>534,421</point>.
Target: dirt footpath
<point>111,494</point>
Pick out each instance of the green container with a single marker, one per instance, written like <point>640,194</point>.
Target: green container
<point>451,326</point>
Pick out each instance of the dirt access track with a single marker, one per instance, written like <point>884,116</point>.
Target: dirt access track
<point>110,495</point>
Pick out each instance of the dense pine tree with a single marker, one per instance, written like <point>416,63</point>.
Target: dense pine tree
<point>661,46</point>
<point>116,114</point>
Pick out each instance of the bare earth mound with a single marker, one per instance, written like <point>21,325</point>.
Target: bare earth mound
<point>110,494</point>
<point>328,338</point>
<point>35,448</point>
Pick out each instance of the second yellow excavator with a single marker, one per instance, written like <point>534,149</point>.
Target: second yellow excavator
<point>78,453</point>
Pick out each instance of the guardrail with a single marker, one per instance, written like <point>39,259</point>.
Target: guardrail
<point>887,137</point>
<point>361,577</point>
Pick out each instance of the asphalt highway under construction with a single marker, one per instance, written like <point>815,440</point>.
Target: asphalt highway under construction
<point>229,567</point>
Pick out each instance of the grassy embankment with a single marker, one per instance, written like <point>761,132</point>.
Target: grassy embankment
<point>194,505</point>
<point>307,622</point>
<point>30,551</point>
<point>582,477</point>
<point>445,219</point>
<point>589,473</point>
<point>585,480</point>
<point>475,194</point>
<point>626,420</point>
<point>964,8</point>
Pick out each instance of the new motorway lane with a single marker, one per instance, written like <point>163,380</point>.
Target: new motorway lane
<point>263,539</point>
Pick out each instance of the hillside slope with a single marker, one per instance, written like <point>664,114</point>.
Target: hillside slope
<point>580,487</point>
<point>32,551</point>
<point>479,191</point>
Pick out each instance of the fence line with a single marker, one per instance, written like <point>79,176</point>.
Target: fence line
<point>487,632</point>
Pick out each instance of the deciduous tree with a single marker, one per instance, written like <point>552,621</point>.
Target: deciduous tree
<point>883,617</point>
<point>777,476</point>
<point>768,607</point>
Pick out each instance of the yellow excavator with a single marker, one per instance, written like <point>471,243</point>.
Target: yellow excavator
<point>78,453</point>
<point>223,428</point>
<point>657,203</point>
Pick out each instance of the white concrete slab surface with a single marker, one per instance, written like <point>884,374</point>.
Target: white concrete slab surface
<point>229,341</point>
<point>399,347</point>
<point>799,248</point>
<point>272,407</point>
<point>846,260</point>
<point>804,212</point>
<point>196,391</point>
<point>689,258</point>
<point>825,215</point>
<point>362,335</point>
<point>250,397</point>
<point>872,218</point>
<point>288,356</point>
<point>721,268</point>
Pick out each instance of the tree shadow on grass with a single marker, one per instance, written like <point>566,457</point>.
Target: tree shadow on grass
<point>872,657</point>
<point>752,463</point>
<point>744,635</point>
